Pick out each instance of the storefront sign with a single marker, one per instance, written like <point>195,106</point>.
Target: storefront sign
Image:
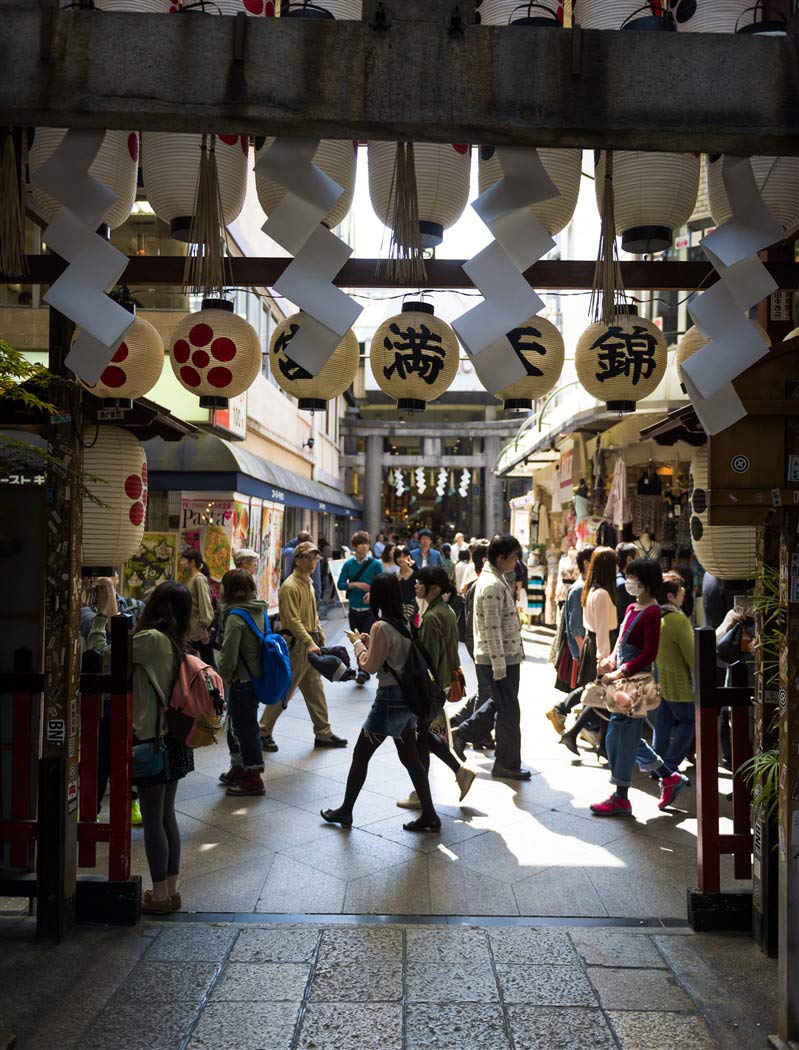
<point>233,419</point>
<point>207,526</point>
<point>155,562</point>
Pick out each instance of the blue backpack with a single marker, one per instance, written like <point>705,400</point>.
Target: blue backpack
<point>275,679</point>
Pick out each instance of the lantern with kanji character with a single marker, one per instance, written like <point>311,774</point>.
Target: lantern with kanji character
<point>134,369</point>
<point>562,165</point>
<point>115,503</point>
<point>623,14</point>
<point>621,362</point>
<point>215,353</point>
<point>349,10</point>
<point>654,195</point>
<point>170,169</point>
<point>777,179</point>
<point>442,185</point>
<point>514,13</point>
<point>728,551</point>
<point>539,346</point>
<point>336,158</point>
<point>414,356</point>
<point>332,379</point>
<point>116,166</point>
<point>693,341</point>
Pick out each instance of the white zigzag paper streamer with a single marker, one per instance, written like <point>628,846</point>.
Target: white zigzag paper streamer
<point>421,481</point>
<point>441,487</point>
<point>720,313</point>
<point>497,271</point>
<point>94,265</point>
<point>466,480</point>
<point>318,254</point>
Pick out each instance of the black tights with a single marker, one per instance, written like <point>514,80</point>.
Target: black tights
<point>427,742</point>
<point>365,746</point>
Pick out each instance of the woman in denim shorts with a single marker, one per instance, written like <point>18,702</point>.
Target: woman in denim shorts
<point>383,652</point>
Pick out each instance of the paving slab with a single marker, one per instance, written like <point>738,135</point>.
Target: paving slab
<point>352,1026</point>
<point>653,1031</point>
<point>379,982</point>
<point>624,989</point>
<point>276,944</point>
<point>257,1026</point>
<point>517,945</point>
<point>262,982</point>
<point>162,1026</point>
<point>603,947</point>
<point>553,1028</point>
<point>545,985</point>
<point>192,943</point>
<point>446,946</point>
<point>455,1027</point>
<point>463,981</point>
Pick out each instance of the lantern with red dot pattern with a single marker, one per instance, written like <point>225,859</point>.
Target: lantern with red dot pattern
<point>330,381</point>
<point>215,353</point>
<point>116,476</point>
<point>134,369</point>
<point>116,166</point>
<point>170,165</point>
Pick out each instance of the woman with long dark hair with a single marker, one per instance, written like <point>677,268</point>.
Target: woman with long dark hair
<point>383,652</point>
<point>158,646</point>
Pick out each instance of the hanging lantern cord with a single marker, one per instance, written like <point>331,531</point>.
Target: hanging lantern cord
<point>608,287</point>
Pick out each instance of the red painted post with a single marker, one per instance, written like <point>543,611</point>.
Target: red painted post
<point>707,800</point>
<point>121,769</point>
<point>741,820</point>
<point>21,855</point>
<point>89,732</point>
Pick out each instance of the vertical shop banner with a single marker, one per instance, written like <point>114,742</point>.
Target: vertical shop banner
<point>207,526</point>
<point>241,522</point>
<point>567,471</point>
<point>253,538</point>
<point>271,524</point>
<point>277,549</point>
<point>156,561</point>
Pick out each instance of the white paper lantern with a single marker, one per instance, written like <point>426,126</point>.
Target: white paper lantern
<point>713,16</point>
<point>145,7</point>
<point>513,12</point>
<point>777,179</point>
<point>654,195</point>
<point>414,356</point>
<point>116,166</point>
<point>337,158</point>
<point>693,341</point>
<point>112,533</point>
<point>252,8</point>
<point>349,10</point>
<point>623,362</point>
<point>215,353</point>
<point>618,14</point>
<point>170,169</point>
<point>727,551</point>
<point>539,345</point>
<point>135,367</point>
<point>332,379</point>
<point>564,168</point>
<point>442,182</point>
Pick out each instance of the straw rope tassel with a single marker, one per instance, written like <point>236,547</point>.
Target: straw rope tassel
<point>405,263</point>
<point>607,275</point>
<point>205,265</point>
<point>12,227</point>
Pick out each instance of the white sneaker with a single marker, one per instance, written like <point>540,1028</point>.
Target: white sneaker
<point>411,802</point>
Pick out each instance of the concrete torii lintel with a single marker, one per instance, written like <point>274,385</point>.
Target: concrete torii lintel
<point>440,80</point>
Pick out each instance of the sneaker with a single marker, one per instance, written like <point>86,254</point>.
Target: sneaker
<point>329,741</point>
<point>268,743</point>
<point>459,743</point>
<point>233,775</point>
<point>615,806</point>
<point>557,719</point>
<point>135,812</point>
<point>670,787</point>
<point>465,778</point>
<point>252,783</point>
<point>411,802</point>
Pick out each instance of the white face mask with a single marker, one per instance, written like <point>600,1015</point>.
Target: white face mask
<point>633,587</point>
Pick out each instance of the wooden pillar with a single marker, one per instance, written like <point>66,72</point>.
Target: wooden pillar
<point>58,768</point>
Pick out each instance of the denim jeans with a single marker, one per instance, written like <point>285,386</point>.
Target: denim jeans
<point>243,734</point>
<point>675,723</point>
<point>625,747</point>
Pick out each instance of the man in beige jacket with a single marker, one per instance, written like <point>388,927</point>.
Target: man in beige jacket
<point>299,616</point>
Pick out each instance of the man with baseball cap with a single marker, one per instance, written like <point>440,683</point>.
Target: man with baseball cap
<point>300,620</point>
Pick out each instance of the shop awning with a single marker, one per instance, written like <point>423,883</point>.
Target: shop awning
<point>681,425</point>
<point>207,463</point>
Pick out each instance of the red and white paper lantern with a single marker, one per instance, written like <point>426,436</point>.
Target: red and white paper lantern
<point>116,166</point>
<point>563,166</point>
<point>215,353</point>
<point>135,367</point>
<point>170,170</point>
<point>113,527</point>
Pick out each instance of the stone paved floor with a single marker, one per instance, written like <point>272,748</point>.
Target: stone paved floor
<point>319,986</point>
<point>528,849</point>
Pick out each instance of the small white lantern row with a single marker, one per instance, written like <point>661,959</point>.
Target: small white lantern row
<point>336,157</point>
<point>170,169</point>
<point>442,182</point>
<point>727,551</point>
<point>516,13</point>
<point>112,532</point>
<point>777,179</point>
<point>723,16</point>
<point>116,166</point>
<point>654,195</point>
<point>135,367</point>
<point>562,165</point>
<point>622,14</point>
<point>349,10</point>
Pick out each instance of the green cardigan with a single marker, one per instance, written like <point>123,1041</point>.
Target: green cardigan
<point>675,661</point>
<point>438,633</point>
<point>238,639</point>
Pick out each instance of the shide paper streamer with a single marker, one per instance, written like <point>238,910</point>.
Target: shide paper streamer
<point>94,265</point>
<point>720,313</point>
<point>296,225</point>
<point>497,271</point>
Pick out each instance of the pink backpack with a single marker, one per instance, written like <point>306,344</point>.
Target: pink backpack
<point>196,708</point>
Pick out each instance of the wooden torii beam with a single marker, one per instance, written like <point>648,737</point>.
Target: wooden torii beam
<point>391,76</point>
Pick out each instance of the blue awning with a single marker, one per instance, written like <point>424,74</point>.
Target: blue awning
<point>208,463</point>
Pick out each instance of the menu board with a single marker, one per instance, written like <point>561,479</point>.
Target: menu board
<point>207,526</point>
<point>155,561</point>
<point>271,545</point>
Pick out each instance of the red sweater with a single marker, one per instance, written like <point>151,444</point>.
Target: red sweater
<point>645,635</point>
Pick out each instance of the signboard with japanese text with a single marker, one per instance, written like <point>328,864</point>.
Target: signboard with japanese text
<point>156,561</point>
<point>207,526</point>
